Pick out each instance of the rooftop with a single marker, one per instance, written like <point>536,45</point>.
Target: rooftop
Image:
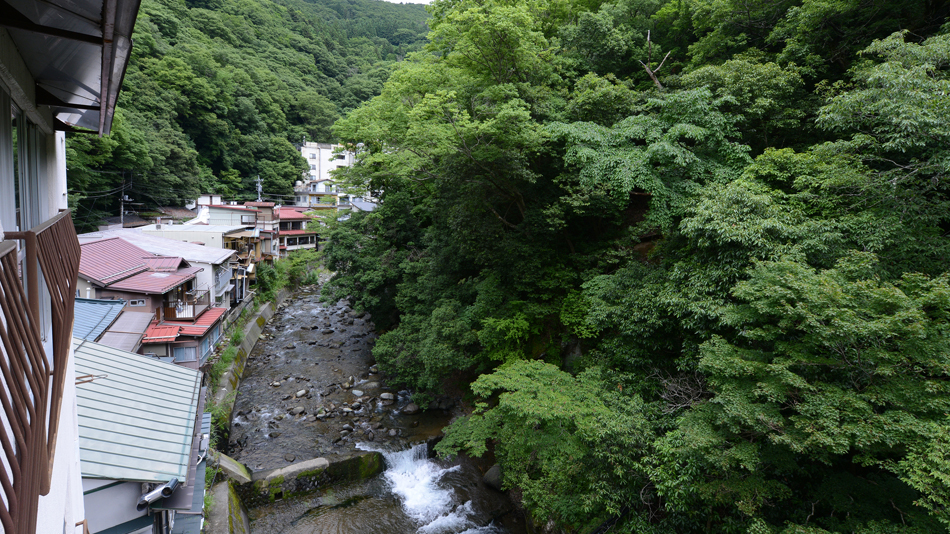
<point>290,214</point>
<point>260,204</point>
<point>163,246</point>
<point>127,331</point>
<point>94,316</point>
<point>137,417</point>
<point>156,283</point>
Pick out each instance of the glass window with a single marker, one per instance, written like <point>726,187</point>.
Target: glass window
<point>313,156</point>
<point>137,302</point>
<point>185,354</point>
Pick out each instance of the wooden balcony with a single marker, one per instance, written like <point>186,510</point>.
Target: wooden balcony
<point>32,391</point>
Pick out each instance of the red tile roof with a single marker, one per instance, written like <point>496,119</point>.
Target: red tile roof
<point>160,333</point>
<point>156,283</point>
<point>233,208</point>
<point>296,232</point>
<point>205,321</point>
<point>287,214</point>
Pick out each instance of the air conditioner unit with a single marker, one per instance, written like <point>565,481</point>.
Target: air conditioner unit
<point>158,226</point>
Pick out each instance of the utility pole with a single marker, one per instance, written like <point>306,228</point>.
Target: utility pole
<point>259,189</point>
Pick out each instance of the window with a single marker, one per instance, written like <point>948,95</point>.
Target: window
<point>216,333</point>
<point>328,187</point>
<point>248,219</point>
<point>313,167</point>
<point>205,347</point>
<point>313,156</point>
<point>340,156</point>
<point>137,302</point>
<point>185,354</point>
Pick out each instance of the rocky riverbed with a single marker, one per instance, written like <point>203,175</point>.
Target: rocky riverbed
<point>311,389</point>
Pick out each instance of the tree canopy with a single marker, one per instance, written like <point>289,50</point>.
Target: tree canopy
<point>712,302</point>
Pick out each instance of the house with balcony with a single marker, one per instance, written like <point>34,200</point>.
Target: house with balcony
<point>217,265</point>
<point>185,323</point>
<point>61,67</point>
<point>321,195</point>
<point>292,231</point>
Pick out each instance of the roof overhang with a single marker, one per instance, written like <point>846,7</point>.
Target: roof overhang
<point>77,52</point>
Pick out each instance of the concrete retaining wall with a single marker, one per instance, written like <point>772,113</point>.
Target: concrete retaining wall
<point>306,477</point>
<point>231,379</point>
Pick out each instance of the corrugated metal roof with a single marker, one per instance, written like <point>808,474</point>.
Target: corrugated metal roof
<point>136,423</point>
<point>261,204</point>
<point>127,331</point>
<point>94,316</point>
<point>156,283</point>
<point>198,328</point>
<point>164,246</point>
<point>242,208</point>
<point>160,333</point>
<point>165,264</point>
<point>110,260</point>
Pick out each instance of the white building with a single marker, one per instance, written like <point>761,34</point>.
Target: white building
<point>318,189</point>
<point>61,66</point>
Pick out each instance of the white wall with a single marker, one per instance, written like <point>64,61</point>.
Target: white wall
<point>110,506</point>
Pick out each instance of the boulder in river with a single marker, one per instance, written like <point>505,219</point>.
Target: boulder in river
<point>357,393</point>
<point>298,410</point>
<point>302,392</point>
<point>387,396</point>
<point>411,409</point>
<point>492,478</point>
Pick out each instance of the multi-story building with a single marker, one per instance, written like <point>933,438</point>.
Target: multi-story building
<point>318,190</point>
<point>292,232</point>
<point>61,66</point>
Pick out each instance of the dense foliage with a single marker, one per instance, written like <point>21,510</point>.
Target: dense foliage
<point>218,92</point>
<point>713,301</point>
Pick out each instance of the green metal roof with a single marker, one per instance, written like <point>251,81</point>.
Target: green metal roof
<point>137,422</point>
<point>93,316</point>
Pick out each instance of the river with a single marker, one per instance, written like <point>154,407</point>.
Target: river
<point>311,389</point>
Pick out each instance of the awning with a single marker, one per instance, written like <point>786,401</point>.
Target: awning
<point>77,52</point>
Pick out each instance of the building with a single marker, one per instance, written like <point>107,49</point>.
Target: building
<point>293,233</point>
<point>217,265</point>
<point>139,432</point>
<point>323,158</point>
<point>185,324</point>
<point>61,67</point>
<point>318,190</point>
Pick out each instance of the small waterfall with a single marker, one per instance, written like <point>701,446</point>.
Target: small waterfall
<point>432,504</point>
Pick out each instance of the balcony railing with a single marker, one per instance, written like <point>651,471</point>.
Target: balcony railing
<point>33,381</point>
<point>190,307</point>
<point>222,278</point>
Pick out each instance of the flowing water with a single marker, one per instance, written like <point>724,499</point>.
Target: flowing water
<point>414,495</point>
<point>309,390</point>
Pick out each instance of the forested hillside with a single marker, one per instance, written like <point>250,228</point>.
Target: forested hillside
<point>686,260</point>
<point>218,91</point>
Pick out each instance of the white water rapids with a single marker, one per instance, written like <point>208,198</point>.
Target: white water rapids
<point>427,497</point>
<point>414,495</point>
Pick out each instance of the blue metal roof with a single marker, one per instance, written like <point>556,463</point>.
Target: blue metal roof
<point>136,417</point>
<point>94,316</point>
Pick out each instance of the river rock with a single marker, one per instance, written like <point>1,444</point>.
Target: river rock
<point>291,346</point>
<point>348,427</point>
<point>289,457</point>
<point>298,410</point>
<point>327,332</point>
<point>374,369</point>
<point>371,385</point>
<point>357,393</point>
<point>275,384</point>
<point>370,436</point>
<point>393,432</point>
<point>387,396</point>
<point>411,409</point>
<point>492,478</point>
<point>302,392</point>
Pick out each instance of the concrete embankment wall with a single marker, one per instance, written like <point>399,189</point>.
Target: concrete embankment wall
<point>231,379</point>
<point>306,477</point>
